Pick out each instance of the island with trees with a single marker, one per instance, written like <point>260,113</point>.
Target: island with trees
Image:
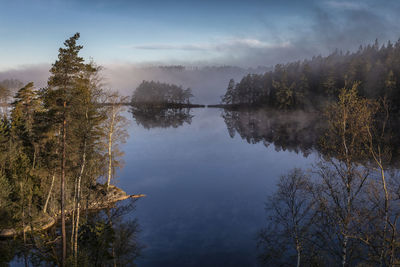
<point>156,104</point>
<point>162,95</point>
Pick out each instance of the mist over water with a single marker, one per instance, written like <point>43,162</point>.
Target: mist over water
<point>205,191</point>
<point>208,84</point>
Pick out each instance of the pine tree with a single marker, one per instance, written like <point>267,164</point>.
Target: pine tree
<point>65,73</point>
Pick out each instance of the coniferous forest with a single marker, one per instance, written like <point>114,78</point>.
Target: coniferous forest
<point>53,146</point>
<point>314,82</point>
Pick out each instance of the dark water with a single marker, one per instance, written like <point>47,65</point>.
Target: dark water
<point>205,190</point>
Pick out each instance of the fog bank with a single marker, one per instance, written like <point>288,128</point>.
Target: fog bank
<point>207,83</point>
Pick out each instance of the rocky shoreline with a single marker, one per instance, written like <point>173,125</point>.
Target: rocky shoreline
<point>102,199</point>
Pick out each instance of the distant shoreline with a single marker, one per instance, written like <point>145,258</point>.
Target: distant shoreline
<point>159,105</point>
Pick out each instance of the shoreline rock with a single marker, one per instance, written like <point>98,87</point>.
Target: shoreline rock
<point>101,200</point>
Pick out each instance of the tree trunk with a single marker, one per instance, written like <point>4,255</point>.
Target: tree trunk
<point>344,251</point>
<point>73,214</point>
<point>54,175</point>
<point>382,256</point>
<point>49,194</point>
<point>298,257</point>
<point>34,157</point>
<point>347,218</point>
<point>110,142</point>
<point>78,204</point>
<point>63,231</point>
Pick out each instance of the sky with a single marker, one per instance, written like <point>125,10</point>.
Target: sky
<point>243,33</point>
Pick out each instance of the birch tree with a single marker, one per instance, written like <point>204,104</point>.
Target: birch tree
<point>116,132</point>
<point>291,213</point>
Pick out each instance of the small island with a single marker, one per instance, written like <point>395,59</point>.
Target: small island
<point>162,95</point>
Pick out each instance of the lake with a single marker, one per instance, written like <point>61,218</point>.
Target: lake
<point>205,190</point>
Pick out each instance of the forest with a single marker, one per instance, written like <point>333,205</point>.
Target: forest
<point>56,144</point>
<point>160,94</point>
<point>314,82</point>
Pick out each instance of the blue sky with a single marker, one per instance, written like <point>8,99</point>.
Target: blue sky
<point>244,33</point>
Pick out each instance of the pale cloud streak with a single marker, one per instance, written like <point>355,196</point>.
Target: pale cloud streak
<point>346,5</point>
<point>228,44</point>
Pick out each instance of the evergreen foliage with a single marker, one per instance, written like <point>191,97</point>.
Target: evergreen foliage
<point>156,93</point>
<point>55,137</point>
<point>312,83</point>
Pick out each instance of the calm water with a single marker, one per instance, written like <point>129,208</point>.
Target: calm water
<point>205,190</point>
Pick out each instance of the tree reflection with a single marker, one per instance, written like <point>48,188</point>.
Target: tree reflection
<point>293,131</point>
<point>291,213</point>
<point>296,131</point>
<point>311,222</point>
<point>345,211</point>
<point>156,117</point>
<point>106,238</point>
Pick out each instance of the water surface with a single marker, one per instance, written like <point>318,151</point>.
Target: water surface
<point>205,190</point>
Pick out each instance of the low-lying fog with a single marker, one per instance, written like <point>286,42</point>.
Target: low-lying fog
<point>207,83</point>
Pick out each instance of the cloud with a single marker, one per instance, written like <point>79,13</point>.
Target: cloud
<point>38,74</point>
<point>353,25</point>
<point>231,43</point>
<point>185,47</point>
<point>346,5</point>
<point>329,25</point>
<point>324,27</point>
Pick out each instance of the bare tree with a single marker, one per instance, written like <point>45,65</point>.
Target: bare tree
<point>290,215</point>
<point>345,147</point>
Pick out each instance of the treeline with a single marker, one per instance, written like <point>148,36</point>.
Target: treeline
<point>8,88</point>
<point>54,146</point>
<point>344,211</point>
<point>311,83</point>
<point>156,93</point>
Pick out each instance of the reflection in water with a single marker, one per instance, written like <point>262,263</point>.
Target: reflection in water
<point>106,238</point>
<point>293,131</point>
<point>205,191</point>
<point>153,117</point>
<point>344,211</point>
<point>286,239</point>
<point>316,219</point>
